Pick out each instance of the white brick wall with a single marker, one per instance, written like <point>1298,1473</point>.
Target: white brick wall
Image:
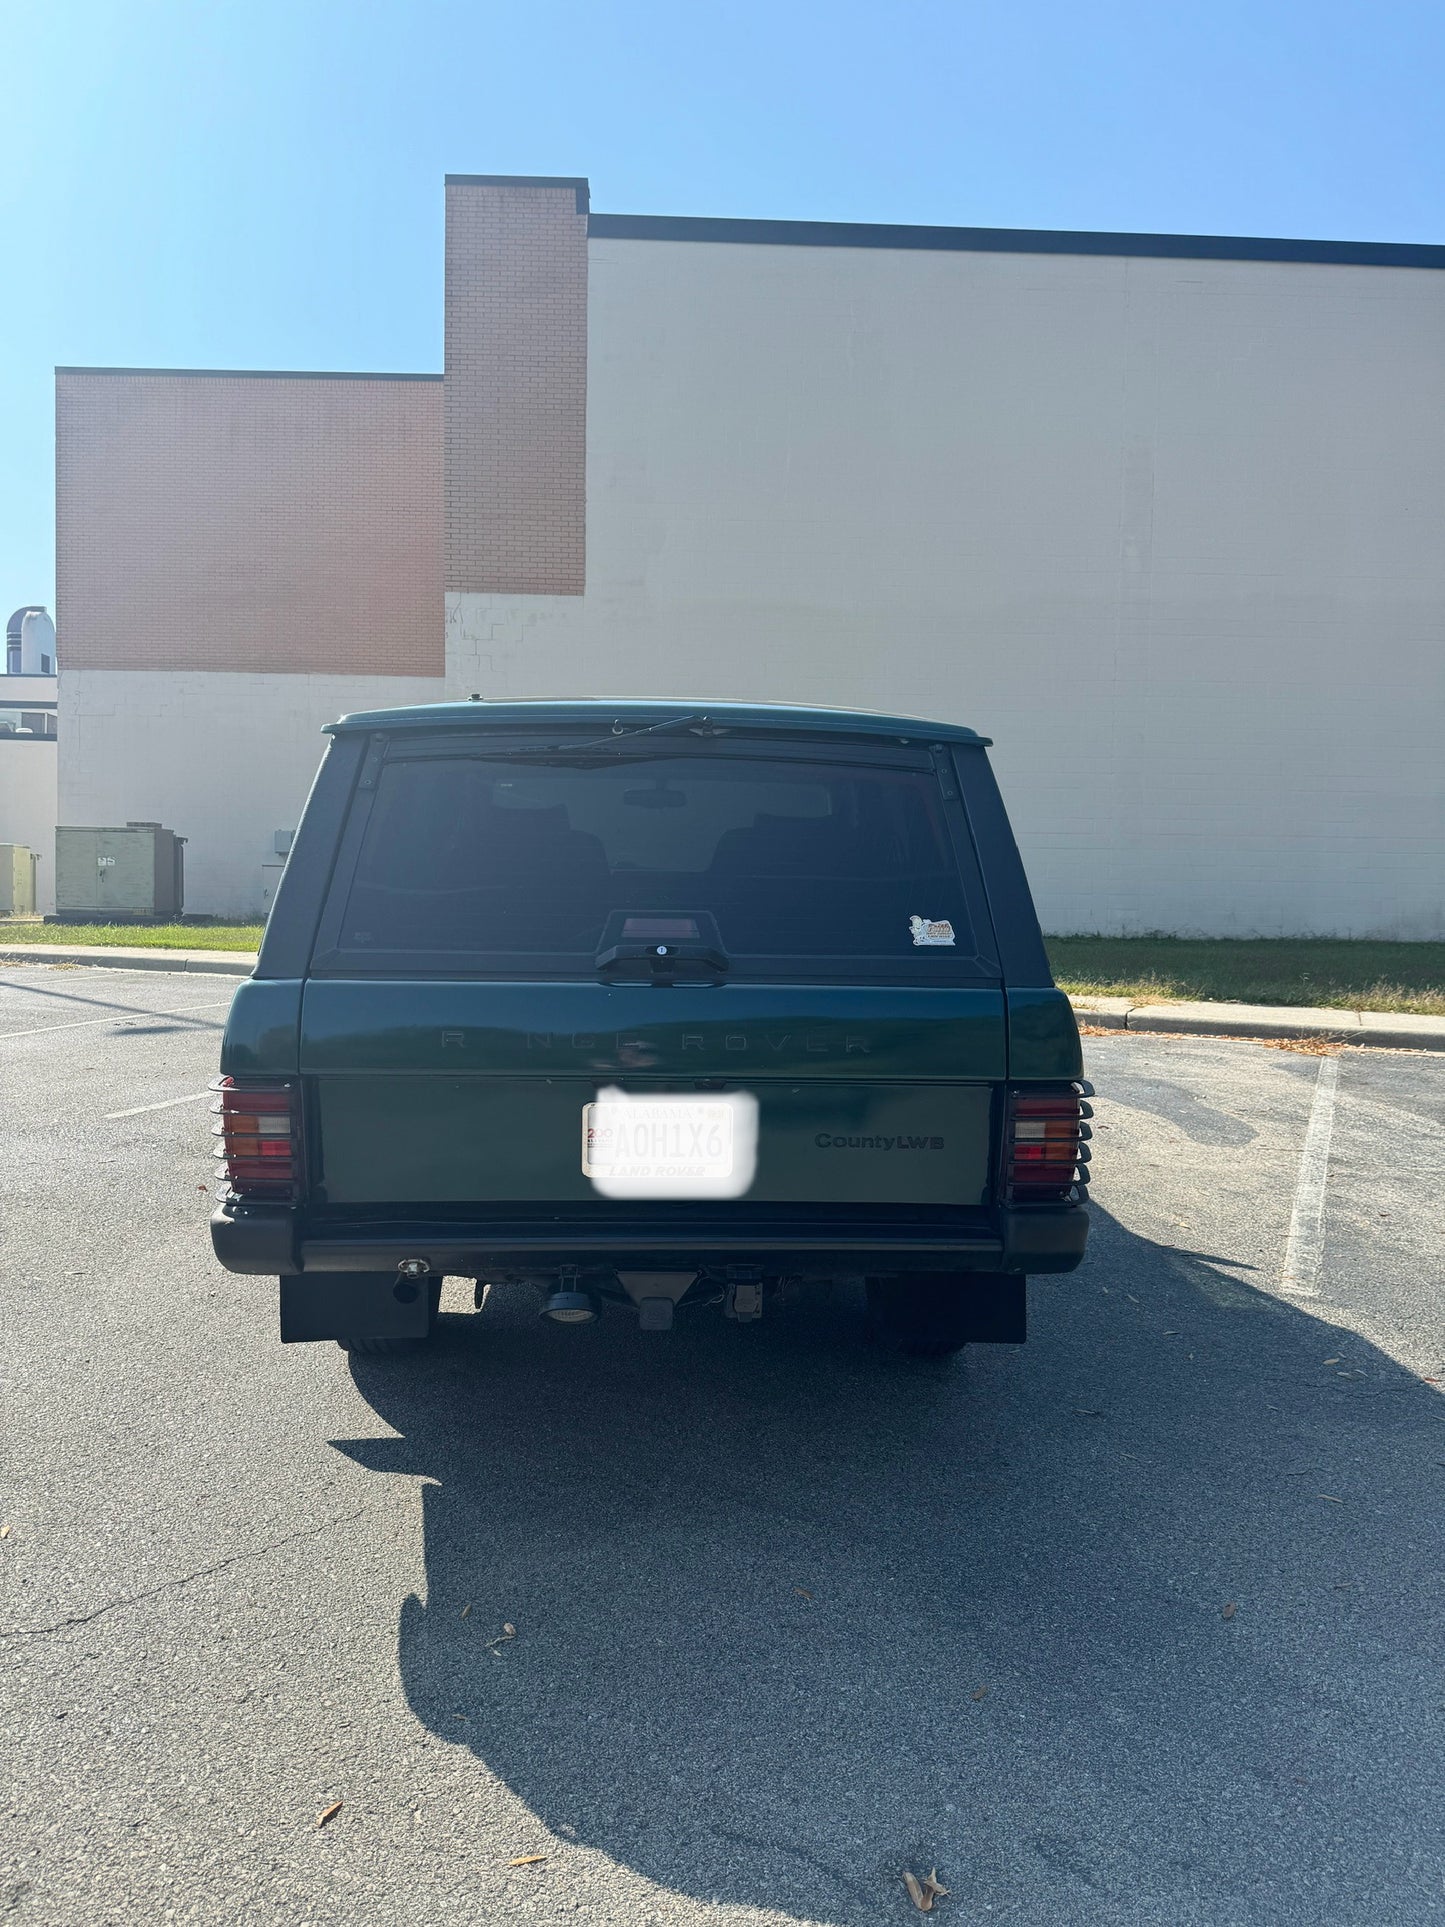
<point>223,760</point>
<point>27,808</point>
<point>1168,530</point>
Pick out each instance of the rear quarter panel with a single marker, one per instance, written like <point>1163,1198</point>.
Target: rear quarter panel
<point>263,1030</point>
<point>1043,1037</point>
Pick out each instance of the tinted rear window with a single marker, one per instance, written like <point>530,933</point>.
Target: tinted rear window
<point>534,866</point>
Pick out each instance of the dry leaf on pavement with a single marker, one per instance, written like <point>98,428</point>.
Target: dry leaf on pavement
<point>5,1532</point>
<point>802,1592</point>
<point>465,1610</point>
<point>924,1892</point>
<point>981,1693</point>
<point>328,1813</point>
<point>1228,1611</point>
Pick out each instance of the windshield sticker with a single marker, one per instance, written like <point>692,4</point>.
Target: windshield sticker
<point>925,932</point>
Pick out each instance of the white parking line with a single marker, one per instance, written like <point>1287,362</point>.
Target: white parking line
<point>117,1017</point>
<point>1305,1246</point>
<point>164,1105</point>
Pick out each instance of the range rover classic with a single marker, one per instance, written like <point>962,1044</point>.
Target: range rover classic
<point>657,1006</point>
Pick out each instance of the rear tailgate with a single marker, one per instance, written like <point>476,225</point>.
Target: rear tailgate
<point>435,1093</point>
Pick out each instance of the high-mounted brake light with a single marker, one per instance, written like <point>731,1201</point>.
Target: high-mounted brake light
<point>1044,1153</point>
<point>258,1128</point>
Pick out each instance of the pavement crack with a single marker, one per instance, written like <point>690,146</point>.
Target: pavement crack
<point>186,1579</point>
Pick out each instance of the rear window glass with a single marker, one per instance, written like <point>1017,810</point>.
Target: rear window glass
<point>537,865</point>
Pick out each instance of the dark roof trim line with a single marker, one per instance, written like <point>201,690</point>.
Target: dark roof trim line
<point>253,374</point>
<point>984,240</point>
<point>576,181</point>
<point>600,713</point>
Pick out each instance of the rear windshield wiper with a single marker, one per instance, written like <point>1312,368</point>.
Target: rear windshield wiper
<point>617,738</point>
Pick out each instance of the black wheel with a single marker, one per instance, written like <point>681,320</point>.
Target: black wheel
<point>929,1314</point>
<point>397,1347</point>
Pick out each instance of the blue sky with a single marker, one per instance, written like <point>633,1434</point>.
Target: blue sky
<point>201,183</point>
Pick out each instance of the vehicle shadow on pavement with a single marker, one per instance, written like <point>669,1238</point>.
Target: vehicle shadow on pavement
<point>1137,1623</point>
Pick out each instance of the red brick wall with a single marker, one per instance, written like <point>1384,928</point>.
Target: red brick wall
<point>516,386</point>
<point>233,522</point>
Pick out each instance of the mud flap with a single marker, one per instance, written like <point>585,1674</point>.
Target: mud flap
<point>998,1313</point>
<point>353,1304</point>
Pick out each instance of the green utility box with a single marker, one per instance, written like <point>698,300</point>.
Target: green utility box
<point>135,874</point>
<point>17,880</point>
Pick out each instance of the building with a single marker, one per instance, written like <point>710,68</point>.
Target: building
<point>30,642</point>
<point>1160,514</point>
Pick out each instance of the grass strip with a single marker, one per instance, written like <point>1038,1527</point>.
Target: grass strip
<point>140,936</point>
<point>1326,972</point>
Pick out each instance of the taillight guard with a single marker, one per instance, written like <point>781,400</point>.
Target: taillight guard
<point>1045,1156</point>
<point>258,1133</point>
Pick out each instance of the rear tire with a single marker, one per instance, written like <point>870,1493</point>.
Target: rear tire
<point>397,1347</point>
<point>935,1314</point>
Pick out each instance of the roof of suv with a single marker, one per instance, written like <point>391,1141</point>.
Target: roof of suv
<point>604,716</point>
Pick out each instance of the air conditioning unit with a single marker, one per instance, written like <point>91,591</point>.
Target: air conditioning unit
<point>130,875</point>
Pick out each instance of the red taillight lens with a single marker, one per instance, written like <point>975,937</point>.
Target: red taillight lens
<point>258,1128</point>
<point>1044,1152</point>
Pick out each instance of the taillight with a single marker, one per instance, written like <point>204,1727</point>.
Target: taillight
<point>1044,1152</point>
<point>258,1128</point>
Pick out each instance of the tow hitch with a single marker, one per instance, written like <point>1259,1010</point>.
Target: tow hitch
<point>743,1299</point>
<point>655,1293</point>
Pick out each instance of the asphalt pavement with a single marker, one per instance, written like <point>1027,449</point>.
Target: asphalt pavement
<point>1138,1623</point>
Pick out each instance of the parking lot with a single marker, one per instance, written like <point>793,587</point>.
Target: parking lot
<point>1140,1622</point>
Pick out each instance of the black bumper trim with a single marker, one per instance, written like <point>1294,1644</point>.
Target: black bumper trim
<point>255,1239</point>
<point>1044,1239</point>
<point>545,1251</point>
<point>262,1239</point>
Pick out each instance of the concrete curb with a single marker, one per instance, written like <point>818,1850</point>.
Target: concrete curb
<point>214,963</point>
<point>1272,1023</point>
<point>1386,1030</point>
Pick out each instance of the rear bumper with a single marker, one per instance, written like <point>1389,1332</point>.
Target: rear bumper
<point>263,1239</point>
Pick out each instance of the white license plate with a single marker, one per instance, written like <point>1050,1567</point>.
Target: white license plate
<point>659,1147</point>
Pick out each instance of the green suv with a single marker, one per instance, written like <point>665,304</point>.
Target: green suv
<point>657,1005</point>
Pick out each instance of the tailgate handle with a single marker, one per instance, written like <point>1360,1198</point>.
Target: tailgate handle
<point>663,960</point>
